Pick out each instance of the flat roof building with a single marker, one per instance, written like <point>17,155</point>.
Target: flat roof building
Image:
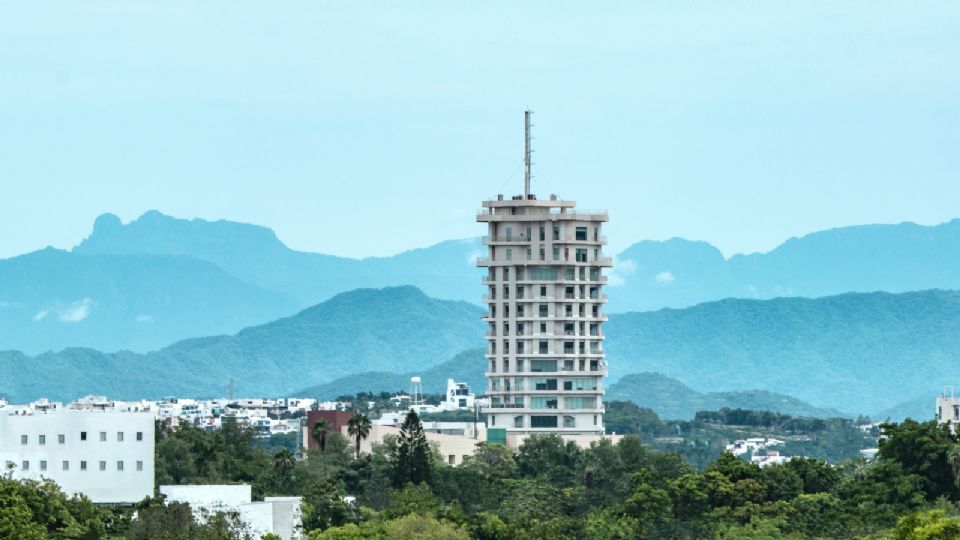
<point>545,357</point>
<point>106,455</point>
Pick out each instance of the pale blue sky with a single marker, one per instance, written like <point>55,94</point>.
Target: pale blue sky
<point>366,128</point>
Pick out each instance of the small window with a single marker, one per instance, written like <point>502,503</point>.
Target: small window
<point>569,422</point>
<point>103,465</point>
<point>83,435</point>
<point>42,439</point>
<point>518,421</point>
<point>119,465</point>
<point>451,458</point>
<point>139,435</point>
<point>23,439</point>
<point>119,436</point>
<point>61,439</point>
<point>25,466</point>
<point>83,465</point>
<point>66,465</point>
<point>103,436</point>
<point>509,254</point>
<point>139,465</point>
<point>493,420</point>
<point>43,465</point>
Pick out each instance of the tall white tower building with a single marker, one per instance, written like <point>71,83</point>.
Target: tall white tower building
<point>544,312</point>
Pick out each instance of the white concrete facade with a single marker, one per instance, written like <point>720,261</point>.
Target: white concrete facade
<point>106,455</point>
<point>545,315</point>
<point>278,515</point>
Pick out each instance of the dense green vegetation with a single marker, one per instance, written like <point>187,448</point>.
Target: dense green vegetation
<point>703,439</point>
<point>545,489</point>
<point>674,400</point>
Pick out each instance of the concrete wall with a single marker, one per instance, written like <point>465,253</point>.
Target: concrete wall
<point>127,474</point>
<point>453,448</point>
<point>278,515</point>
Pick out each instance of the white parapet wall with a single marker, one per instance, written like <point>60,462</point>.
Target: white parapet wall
<point>105,455</point>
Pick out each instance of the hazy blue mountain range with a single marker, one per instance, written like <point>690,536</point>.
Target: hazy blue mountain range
<point>52,299</point>
<point>858,353</point>
<point>855,352</point>
<point>467,366</point>
<point>255,255</point>
<point>670,398</point>
<point>364,330</point>
<point>866,258</point>
<point>673,400</point>
<point>228,275</point>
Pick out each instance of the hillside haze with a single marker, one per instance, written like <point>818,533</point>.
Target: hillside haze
<point>857,353</point>
<point>364,330</point>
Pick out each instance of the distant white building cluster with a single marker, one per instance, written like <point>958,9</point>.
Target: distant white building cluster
<point>206,414</point>
<point>752,445</point>
<point>772,457</point>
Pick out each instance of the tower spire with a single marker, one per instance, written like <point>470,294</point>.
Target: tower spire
<point>526,153</point>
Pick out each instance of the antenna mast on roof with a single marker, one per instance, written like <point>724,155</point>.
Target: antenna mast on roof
<point>526,153</point>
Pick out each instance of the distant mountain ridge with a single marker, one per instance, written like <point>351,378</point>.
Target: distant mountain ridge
<point>363,330</point>
<point>865,258</point>
<point>162,279</point>
<point>673,400</point>
<point>858,353</point>
<point>254,254</point>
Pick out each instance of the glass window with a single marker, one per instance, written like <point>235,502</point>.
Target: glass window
<point>119,465</point>
<point>543,421</point>
<point>103,436</point>
<point>103,465</point>
<point>83,465</point>
<point>581,233</point>
<point>61,439</point>
<point>544,384</point>
<point>509,254</point>
<point>23,439</point>
<point>139,465</point>
<point>66,465</point>
<point>43,465</point>
<point>83,435</point>
<point>543,402</point>
<point>25,466</point>
<point>543,273</point>
<point>119,436</point>
<point>42,439</point>
<point>569,422</point>
<point>518,421</point>
<point>543,366</point>
<point>579,402</point>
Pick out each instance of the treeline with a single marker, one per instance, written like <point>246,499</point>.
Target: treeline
<point>545,489</point>
<point>744,417</point>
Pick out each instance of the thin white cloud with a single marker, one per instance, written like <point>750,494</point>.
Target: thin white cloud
<point>144,318</point>
<point>621,269</point>
<point>473,256</point>
<point>76,311</point>
<point>666,277</point>
<point>70,313</point>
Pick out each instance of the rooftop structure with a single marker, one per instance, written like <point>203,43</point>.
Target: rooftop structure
<point>545,312</point>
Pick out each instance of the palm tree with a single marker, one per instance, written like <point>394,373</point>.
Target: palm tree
<point>283,462</point>
<point>359,428</point>
<point>319,433</point>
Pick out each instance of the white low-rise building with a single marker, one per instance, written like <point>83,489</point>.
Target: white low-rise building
<point>106,455</point>
<point>281,516</point>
